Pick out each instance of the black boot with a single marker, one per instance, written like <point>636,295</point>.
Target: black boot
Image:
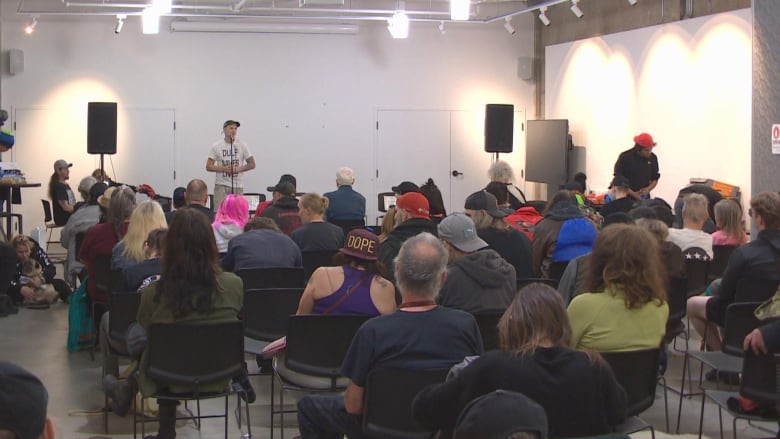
<point>120,393</point>
<point>167,413</point>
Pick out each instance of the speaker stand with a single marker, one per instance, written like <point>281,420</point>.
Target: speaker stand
<point>102,170</point>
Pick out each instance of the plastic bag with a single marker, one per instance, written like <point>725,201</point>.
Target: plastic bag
<point>81,329</point>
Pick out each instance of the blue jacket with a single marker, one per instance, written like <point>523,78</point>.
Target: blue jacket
<point>345,204</point>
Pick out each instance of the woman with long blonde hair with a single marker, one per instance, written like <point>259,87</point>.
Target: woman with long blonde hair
<point>146,217</point>
<point>728,220</point>
<point>577,390</point>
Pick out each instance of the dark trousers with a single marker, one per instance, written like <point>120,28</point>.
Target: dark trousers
<point>167,414</point>
<point>324,417</point>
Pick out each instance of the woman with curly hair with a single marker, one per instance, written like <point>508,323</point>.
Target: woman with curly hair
<point>625,308</point>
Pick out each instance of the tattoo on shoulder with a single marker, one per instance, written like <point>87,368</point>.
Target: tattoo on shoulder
<point>382,282</point>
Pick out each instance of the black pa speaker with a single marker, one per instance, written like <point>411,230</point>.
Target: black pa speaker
<point>499,127</point>
<point>101,128</point>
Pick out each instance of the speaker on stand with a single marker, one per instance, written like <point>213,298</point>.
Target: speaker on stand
<point>499,128</point>
<point>101,129</point>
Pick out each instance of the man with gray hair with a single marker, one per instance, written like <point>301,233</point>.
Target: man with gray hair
<point>692,236</point>
<point>345,204</point>
<point>420,335</point>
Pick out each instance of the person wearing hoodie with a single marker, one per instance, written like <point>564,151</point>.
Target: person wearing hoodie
<point>478,278</point>
<point>412,217</point>
<point>229,221</point>
<point>559,209</point>
<point>753,264</point>
<point>284,209</point>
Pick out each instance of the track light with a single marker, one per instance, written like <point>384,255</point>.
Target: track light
<point>31,27</point>
<point>459,10</point>
<point>441,28</point>
<point>120,23</point>
<point>576,9</point>
<point>508,26</point>
<point>398,24</point>
<point>632,2</point>
<point>543,16</point>
<point>150,21</point>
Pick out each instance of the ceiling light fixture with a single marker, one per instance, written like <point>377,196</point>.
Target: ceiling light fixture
<point>543,16</point>
<point>150,21</point>
<point>459,10</point>
<point>632,2</point>
<point>398,24</point>
<point>30,28</point>
<point>441,28</point>
<point>576,9</point>
<point>508,26</point>
<point>120,23</point>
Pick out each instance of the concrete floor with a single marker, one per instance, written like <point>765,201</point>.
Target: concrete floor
<point>35,339</point>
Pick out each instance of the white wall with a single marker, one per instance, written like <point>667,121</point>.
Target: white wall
<point>687,83</point>
<point>307,103</point>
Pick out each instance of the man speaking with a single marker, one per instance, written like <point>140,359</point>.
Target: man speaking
<point>229,158</point>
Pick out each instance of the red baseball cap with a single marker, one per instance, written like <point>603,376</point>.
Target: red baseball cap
<point>644,140</point>
<point>415,203</point>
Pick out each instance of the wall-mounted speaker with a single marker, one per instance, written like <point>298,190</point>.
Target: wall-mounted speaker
<point>525,68</point>
<point>15,61</point>
<point>101,128</point>
<point>499,127</point>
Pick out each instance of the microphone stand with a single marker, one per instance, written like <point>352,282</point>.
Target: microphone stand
<point>232,173</point>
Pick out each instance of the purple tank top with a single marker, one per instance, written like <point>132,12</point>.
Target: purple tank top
<point>358,303</point>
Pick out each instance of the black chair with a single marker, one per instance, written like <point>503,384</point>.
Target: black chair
<point>740,320</point>
<point>194,356</point>
<point>316,345</point>
<point>720,258</point>
<point>79,240</point>
<point>697,264</point>
<point>759,382</point>
<point>488,328</point>
<point>16,198</point>
<point>266,311</point>
<point>313,260</point>
<point>256,278</point>
<point>165,202</point>
<point>677,298</point>
<point>48,219</point>
<point>556,271</point>
<point>387,406</point>
<point>637,372</point>
<point>124,309</point>
<point>105,279</point>
<point>348,225</point>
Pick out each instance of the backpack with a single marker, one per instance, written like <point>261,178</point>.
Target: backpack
<point>524,219</point>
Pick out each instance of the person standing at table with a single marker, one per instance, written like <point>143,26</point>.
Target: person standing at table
<point>640,166</point>
<point>229,158</point>
<point>63,200</point>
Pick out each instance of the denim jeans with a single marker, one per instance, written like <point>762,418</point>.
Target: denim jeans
<point>325,417</point>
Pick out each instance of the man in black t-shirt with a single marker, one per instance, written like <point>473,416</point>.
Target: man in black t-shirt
<point>640,166</point>
<point>63,200</point>
<point>420,335</point>
<point>622,202</point>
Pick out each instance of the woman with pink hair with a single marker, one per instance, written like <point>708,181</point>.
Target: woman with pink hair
<point>229,221</point>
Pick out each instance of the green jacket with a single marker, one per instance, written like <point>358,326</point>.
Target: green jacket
<point>226,308</point>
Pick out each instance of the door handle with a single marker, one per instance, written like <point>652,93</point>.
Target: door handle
<point>456,173</point>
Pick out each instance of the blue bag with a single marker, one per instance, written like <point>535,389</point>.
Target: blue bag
<point>81,329</point>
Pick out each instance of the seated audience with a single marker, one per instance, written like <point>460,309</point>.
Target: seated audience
<point>512,245</point>
<point>129,251</point>
<point>576,389</point>
<point>192,289</point>
<point>388,223</point>
<point>178,201</point>
<point>229,221</point>
<point>62,198</point>
<point>285,178</point>
<point>23,401</point>
<point>502,414</point>
<point>345,203</point>
<point>728,221</point>
<point>315,233</point>
<point>196,196</point>
<point>284,208</point>
<point>412,217</point>
<point>501,172</point>
<point>355,287</point>
<point>624,308</point>
<point>405,187</point>
<point>712,196</point>
<point>478,279</point>
<point>750,265</point>
<point>101,238</point>
<point>560,209</point>
<point>621,201</point>
<point>26,289</point>
<point>501,193</point>
<point>691,236</point>
<point>81,220</point>
<point>262,245</point>
<point>764,339</point>
<point>671,254</point>
<point>85,185</point>
<point>435,201</point>
<point>420,335</point>
<point>138,276</point>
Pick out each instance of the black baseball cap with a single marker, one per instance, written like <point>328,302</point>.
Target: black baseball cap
<point>285,178</point>
<point>484,200</point>
<point>404,187</point>
<point>498,415</point>
<point>231,122</point>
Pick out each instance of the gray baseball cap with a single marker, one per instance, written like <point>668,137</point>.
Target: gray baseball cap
<point>459,230</point>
